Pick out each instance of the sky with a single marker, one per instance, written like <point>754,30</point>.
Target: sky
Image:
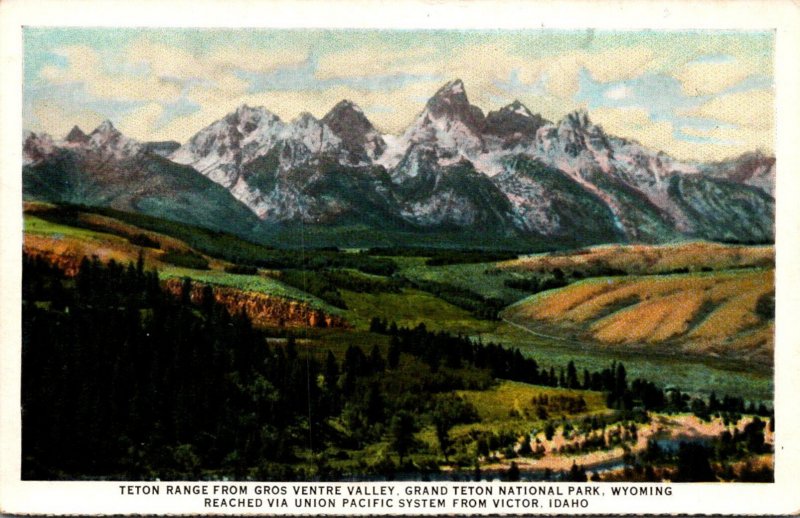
<point>703,95</point>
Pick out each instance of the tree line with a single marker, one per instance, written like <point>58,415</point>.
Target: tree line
<point>443,348</point>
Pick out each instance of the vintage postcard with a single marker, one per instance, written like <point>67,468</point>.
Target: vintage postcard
<point>449,258</point>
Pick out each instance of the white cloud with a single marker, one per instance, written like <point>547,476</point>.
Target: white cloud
<point>618,93</point>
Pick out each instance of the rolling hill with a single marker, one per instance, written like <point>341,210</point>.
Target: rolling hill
<point>726,313</point>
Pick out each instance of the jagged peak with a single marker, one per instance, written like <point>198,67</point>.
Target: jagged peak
<point>245,111</point>
<point>577,119</point>
<point>344,109</point>
<point>77,135</point>
<point>42,137</point>
<point>105,127</point>
<point>453,92</point>
<point>346,104</point>
<point>456,86</point>
<point>305,118</point>
<point>518,108</point>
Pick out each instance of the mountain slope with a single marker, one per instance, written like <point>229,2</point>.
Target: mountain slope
<point>110,170</point>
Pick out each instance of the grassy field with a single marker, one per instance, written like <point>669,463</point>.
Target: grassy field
<point>512,402</point>
<point>482,278</point>
<point>256,283</point>
<point>511,408</point>
<point>411,307</point>
<point>38,226</point>
<point>75,243</point>
<point>691,374</point>
<point>711,313</point>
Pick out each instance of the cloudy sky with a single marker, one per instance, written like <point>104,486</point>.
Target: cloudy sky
<point>696,95</point>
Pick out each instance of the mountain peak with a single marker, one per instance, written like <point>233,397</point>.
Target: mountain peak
<point>576,119</point>
<point>109,140</point>
<point>518,108</point>
<point>345,113</point>
<point>77,136</point>
<point>344,105</point>
<point>456,86</point>
<point>245,110</point>
<point>305,118</point>
<point>513,122</point>
<point>246,113</point>
<point>453,92</point>
<point>105,128</point>
<point>359,137</point>
<point>450,102</point>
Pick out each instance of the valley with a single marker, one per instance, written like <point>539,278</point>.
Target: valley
<point>692,318</point>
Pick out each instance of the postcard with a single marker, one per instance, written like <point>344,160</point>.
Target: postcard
<point>300,258</point>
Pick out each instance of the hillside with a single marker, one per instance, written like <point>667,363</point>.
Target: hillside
<point>726,313</point>
<point>645,259</point>
<point>266,300</point>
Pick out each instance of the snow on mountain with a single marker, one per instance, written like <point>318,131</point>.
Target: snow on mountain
<point>219,150</point>
<point>35,147</point>
<point>449,124</point>
<point>360,140</point>
<point>513,125</point>
<point>105,141</point>
<point>109,141</point>
<point>754,169</point>
<point>508,171</point>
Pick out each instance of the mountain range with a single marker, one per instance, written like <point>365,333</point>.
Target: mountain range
<point>455,173</point>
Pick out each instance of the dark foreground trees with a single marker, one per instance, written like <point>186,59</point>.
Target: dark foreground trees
<point>122,380</point>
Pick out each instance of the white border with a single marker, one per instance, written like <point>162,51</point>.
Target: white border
<point>782,497</point>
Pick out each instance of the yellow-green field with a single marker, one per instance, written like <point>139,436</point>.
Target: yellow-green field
<point>510,407</point>
<point>513,401</point>
<point>410,308</point>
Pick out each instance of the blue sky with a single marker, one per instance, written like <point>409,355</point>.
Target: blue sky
<point>696,95</point>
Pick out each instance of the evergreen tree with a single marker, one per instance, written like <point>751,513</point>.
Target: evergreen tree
<point>376,360</point>
<point>512,475</point>
<point>572,376</point>
<point>393,356</point>
<point>402,433</point>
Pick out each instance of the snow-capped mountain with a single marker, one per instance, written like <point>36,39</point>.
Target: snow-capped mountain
<point>105,141</point>
<point>509,173</point>
<point>511,126</point>
<point>449,125</point>
<point>754,169</point>
<point>106,168</point>
<point>219,150</point>
<point>36,147</point>
<point>361,141</point>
